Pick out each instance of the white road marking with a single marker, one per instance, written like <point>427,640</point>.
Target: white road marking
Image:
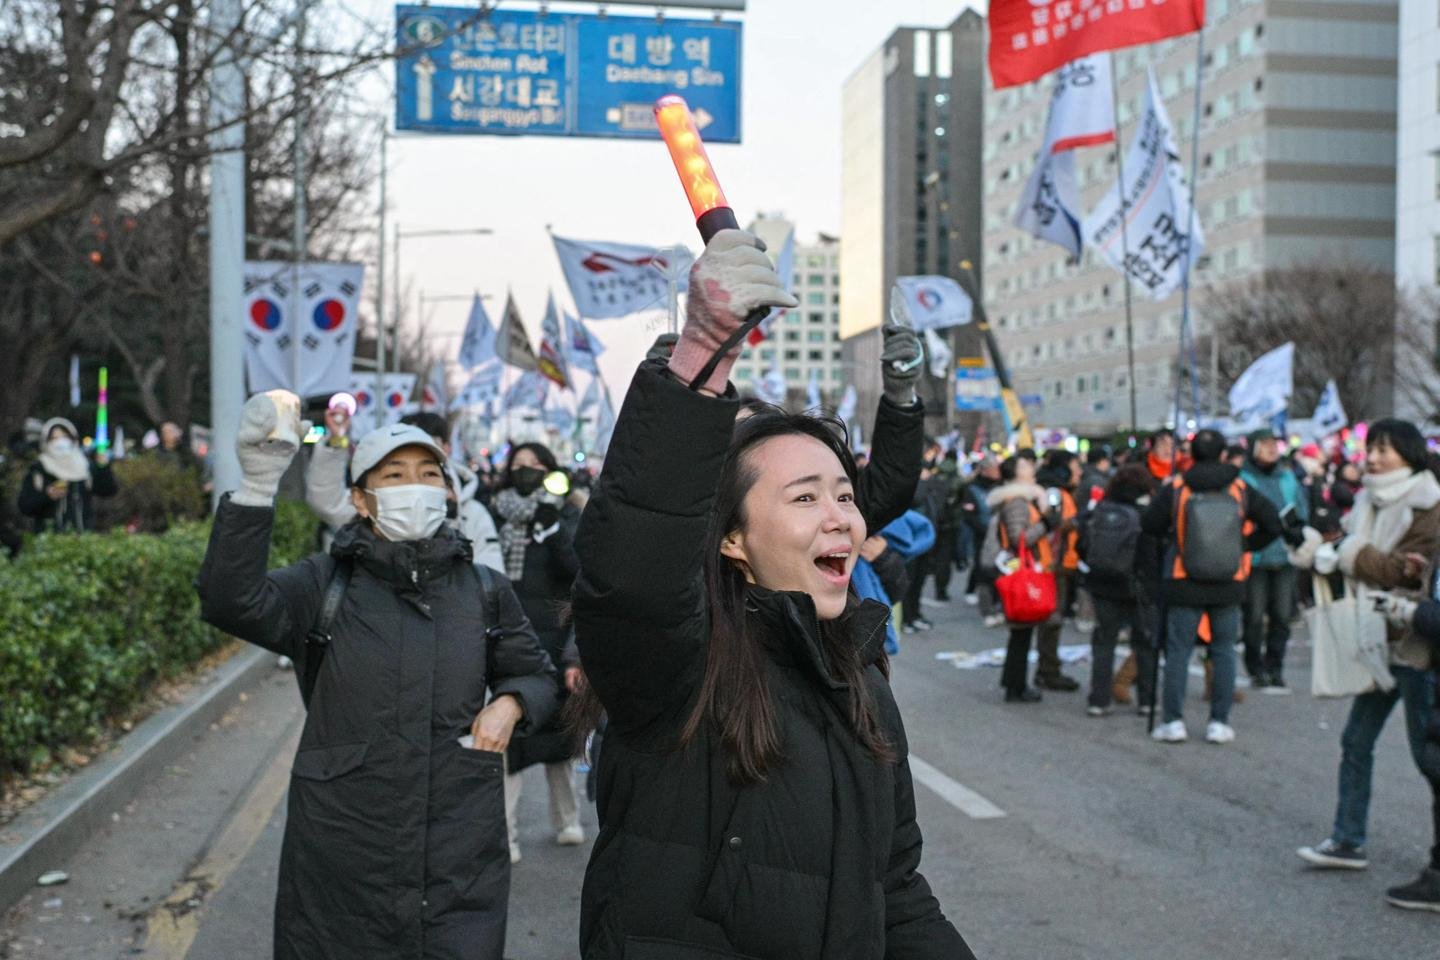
<point>958,795</point>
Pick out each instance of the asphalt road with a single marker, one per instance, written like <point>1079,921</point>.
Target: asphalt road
<point>1109,846</point>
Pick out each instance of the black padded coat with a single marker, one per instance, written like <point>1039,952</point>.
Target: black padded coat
<point>395,845</point>
<point>819,861</point>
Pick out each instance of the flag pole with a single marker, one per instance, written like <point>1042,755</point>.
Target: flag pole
<point>1190,233</point>
<point>1124,240</point>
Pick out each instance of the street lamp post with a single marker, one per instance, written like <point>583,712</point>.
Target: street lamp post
<point>403,234</point>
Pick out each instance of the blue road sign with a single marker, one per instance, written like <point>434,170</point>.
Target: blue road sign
<point>976,388</point>
<point>522,72</point>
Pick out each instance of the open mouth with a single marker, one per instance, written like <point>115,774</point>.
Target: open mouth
<point>833,564</point>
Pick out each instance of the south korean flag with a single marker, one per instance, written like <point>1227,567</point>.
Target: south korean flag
<point>308,309</point>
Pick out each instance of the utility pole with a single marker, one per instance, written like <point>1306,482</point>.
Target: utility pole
<point>227,247</point>
<point>300,242</point>
<point>380,283</point>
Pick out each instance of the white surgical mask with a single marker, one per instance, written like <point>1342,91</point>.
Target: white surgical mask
<point>413,511</point>
<point>62,445</point>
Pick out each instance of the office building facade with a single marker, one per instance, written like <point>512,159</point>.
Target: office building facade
<point>804,343</point>
<point>1296,165</point>
<point>910,187</point>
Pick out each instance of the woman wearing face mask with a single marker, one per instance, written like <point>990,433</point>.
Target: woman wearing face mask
<point>395,835</point>
<point>754,793</point>
<point>537,541</point>
<point>59,490</point>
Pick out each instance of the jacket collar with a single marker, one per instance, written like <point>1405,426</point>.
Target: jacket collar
<point>404,565</point>
<point>1211,475</point>
<point>792,633</point>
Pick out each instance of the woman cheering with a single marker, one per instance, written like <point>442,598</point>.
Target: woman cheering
<point>755,799</point>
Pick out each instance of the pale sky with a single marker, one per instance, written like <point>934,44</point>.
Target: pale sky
<point>797,55</point>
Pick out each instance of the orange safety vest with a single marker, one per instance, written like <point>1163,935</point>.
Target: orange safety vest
<point>1182,497</point>
<point>1070,559</point>
<point>1044,554</point>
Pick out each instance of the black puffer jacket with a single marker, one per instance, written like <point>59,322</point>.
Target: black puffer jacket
<point>819,862</point>
<point>72,513</point>
<point>544,592</point>
<point>395,841</point>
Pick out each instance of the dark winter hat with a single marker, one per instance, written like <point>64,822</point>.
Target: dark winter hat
<point>1256,436</point>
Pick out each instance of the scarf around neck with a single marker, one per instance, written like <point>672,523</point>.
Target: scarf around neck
<point>516,512</point>
<point>1386,504</point>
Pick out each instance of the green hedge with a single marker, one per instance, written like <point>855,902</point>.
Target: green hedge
<point>91,622</point>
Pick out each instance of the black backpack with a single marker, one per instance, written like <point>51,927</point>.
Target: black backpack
<point>1211,533</point>
<point>1112,538</point>
<point>317,641</point>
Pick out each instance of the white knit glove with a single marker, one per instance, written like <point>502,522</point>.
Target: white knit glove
<point>729,280</point>
<point>1303,556</point>
<point>1326,559</point>
<point>263,457</point>
<point>900,363</point>
<point>1346,554</point>
<point>1398,610</point>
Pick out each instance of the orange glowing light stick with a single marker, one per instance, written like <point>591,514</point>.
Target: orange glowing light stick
<point>707,201</point>
<point>697,176</point>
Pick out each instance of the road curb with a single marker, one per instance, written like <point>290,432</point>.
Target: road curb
<point>50,832</point>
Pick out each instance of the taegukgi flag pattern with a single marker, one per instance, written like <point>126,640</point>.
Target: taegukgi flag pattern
<point>327,297</point>
<point>1162,237</point>
<point>609,280</point>
<point>393,399</point>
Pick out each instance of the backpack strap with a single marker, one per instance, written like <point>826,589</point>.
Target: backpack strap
<point>317,641</point>
<point>490,597</point>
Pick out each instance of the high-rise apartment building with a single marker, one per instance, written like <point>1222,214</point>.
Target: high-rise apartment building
<point>1296,164</point>
<point>910,185</point>
<point>1417,190</point>
<point>804,343</point>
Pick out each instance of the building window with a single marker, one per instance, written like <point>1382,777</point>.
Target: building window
<point>922,53</point>
<point>815,297</point>
<point>815,317</point>
<point>944,56</point>
<point>815,356</point>
<point>792,355</point>
<point>1437,260</point>
<point>792,336</point>
<point>792,374</point>
<point>816,279</point>
<point>1437,176</point>
<point>767,355</point>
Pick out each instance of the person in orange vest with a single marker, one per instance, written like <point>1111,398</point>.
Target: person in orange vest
<point>1017,509</point>
<point>1060,476</point>
<point>1211,522</point>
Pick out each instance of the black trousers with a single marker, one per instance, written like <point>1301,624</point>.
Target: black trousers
<point>942,561</point>
<point>918,569</point>
<point>1017,659</point>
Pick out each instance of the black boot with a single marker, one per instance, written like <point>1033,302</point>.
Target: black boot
<point>1423,894</point>
<point>1023,695</point>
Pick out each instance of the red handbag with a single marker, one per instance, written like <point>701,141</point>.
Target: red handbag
<point>1027,595</point>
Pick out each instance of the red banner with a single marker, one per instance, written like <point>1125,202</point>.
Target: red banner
<point>1029,38</point>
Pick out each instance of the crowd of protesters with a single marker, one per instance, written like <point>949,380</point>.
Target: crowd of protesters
<point>716,611</point>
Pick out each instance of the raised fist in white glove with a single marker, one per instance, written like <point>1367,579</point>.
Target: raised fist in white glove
<point>269,435</point>
<point>1303,556</point>
<point>730,279</point>
<point>1326,559</point>
<point>1399,610</point>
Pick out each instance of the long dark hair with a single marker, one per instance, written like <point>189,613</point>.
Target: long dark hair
<point>733,699</point>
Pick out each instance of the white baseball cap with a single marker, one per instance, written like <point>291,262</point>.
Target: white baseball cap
<point>376,445</point>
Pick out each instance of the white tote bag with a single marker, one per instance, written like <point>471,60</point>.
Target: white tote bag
<point>1349,653</point>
